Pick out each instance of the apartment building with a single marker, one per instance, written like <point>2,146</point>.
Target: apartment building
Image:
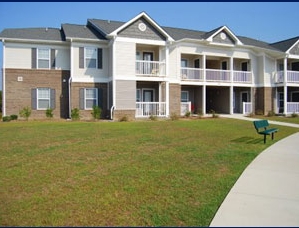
<point>139,68</point>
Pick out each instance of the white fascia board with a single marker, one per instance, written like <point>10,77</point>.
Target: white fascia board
<point>288,51</point>
<point>210,38</point>
<point>83,40</point>
<point>89,80</point>
<point>141,41</point>
<point>31,41</point>
<point>151,21</point>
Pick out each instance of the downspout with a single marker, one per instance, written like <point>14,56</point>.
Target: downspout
<point>3,82</point>
<point>113,78</point>
<point>70,80</point>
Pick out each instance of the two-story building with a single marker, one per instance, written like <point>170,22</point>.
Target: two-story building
<point>139,68</point>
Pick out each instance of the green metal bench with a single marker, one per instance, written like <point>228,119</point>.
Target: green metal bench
<point>264,124</point>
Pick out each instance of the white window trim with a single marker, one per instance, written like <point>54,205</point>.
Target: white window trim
<point>85,97</point>
<point>96,58</point>
<point>38,58</point>
<point>37,99</point>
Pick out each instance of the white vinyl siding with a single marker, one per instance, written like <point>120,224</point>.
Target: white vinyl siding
<point>125,59</point>
<point>17,57</point>
<point>125,94</point>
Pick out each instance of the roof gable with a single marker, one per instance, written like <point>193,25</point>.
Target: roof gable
<point>154,27</point>
<point>81,32</point>
<point>222,35</point>
<point>288,46</point>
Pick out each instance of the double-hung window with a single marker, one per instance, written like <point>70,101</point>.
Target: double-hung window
<point>43,57</point>
<point>184,96</point>
<point>91,57</point>
<point>91,97</point>
<point>43,98</point>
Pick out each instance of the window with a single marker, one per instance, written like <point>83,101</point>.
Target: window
<point>184,63</point>
<point>42,98</point>
<point>43,57</point>
<point>90,57</point>
<point>91,98</point>
<point>138,95</point>
<point>184,96</point>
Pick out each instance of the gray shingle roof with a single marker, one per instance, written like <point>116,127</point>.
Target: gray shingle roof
<point>178,33</point>
<point>256,43</point>
<point>49,34</point>
<point>81,31</point>
<point>285,44</point>
<point>106,26</point>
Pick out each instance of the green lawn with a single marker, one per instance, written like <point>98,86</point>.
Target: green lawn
<point>143,173</point>
<point>287,119</point>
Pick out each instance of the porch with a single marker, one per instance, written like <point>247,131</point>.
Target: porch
<point>292,76</point>
<point>291,96</point>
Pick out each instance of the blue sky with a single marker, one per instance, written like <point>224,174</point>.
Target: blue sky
<point>266,21</point>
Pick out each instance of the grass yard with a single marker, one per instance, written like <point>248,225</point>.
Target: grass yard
<point>143,173</point>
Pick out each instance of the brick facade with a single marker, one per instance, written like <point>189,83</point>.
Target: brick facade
<point>18,85</point>
<point>75,99</point>
<point>174,99</point>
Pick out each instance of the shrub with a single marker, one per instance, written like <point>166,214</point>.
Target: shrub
<point>270,113</point>
<point>187,114</point>
<point>25,112</point>
<point>124,119</point>
<point>6,118</point>
<point>294,115</point>
<point>13,117</point>
<point>49,113</point>
<point>96,112</point>
<point>174,116</point>
<point>214,114</point>
<point>152,117</point>
<point>75,114</point>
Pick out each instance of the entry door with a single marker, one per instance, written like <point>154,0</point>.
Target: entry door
<point>148,56</point>
<point>280,102</point>
<point>148,96</point>
<point>244,98</point>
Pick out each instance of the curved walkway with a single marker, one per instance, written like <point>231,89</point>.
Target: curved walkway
<point>267,192</point>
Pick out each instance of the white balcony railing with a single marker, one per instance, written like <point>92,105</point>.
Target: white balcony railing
<point>292,107</point>
<point>218,75</point>
<point>292,76</point>
<point>146,109</point>
<point>242,76</point>
<point>247,108</point>
<point>150,68</point>
<point>185,107</point>
<point>192,73</point>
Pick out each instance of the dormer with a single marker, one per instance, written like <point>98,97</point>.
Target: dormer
<point>222,36</point>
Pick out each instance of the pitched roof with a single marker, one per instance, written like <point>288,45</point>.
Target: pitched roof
<point>49,34</point>
<point>106,26</point>
<point>256,43</point>
<point>179,33</point>
<point>285,45</point>
<point>81,31</point>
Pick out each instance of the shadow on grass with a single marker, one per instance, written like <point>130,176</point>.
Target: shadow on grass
<point>247,140</point>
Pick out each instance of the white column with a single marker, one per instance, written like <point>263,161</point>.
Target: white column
<point>204,99</point>
<point>204,67</point>
<point>285,88</point>
<point>231,69</point>
<point>167,60</point>
<point>231,100</point>
<point>167,97</point>
<point>3,82</point>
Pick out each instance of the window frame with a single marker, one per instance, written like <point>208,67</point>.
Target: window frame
<point>39,58</point>
<point>86,98</point>
<point>90,58</point>
<point>37,98</point>
<point>187,95</point>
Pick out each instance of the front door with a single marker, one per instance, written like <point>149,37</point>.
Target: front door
<point>244,98</point>
<point>148,57</point>
<point>148,98</point>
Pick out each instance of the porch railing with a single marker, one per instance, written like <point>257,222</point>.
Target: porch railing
<point>185,107</point>
<point>292,107</point>
<point>242,76</point>
<point>247,108</point>
<point>192,73</point>
<point>147,109</point>
<point>218,75</point>
<point>292,76</point>
<point>150,68</point>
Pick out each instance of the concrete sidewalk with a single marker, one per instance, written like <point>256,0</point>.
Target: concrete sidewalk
<point>267,192</point>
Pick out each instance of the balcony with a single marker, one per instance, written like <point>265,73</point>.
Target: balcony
<point>212,75</point>
<point>292,76</point>
<point>150,68</point>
